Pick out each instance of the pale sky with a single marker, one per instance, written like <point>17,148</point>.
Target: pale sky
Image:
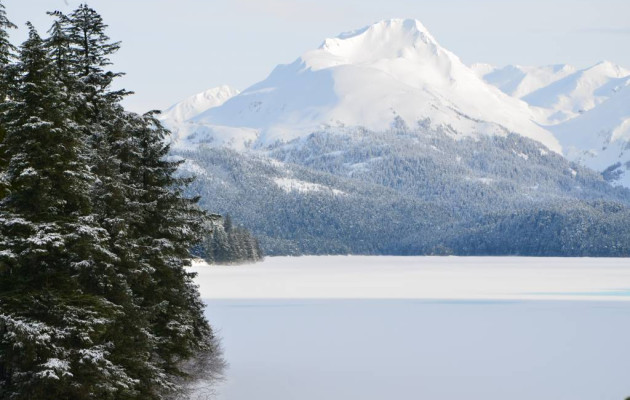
<point>175,48</point>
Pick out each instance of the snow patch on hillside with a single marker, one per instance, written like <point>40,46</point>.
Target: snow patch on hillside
<point>189,166</point>
<point>296,185</point>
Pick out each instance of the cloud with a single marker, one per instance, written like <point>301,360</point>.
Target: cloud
<point>605,31</point>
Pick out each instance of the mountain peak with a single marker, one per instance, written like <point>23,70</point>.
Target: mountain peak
<point>384,40</point>
<point>374,77</point>
<point>609,68</point>
<point>387,27</point>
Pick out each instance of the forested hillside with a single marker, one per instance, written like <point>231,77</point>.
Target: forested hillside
<point>412,191</point>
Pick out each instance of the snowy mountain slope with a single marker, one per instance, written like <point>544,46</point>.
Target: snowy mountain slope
<point>519,81</point>
<point>482,69</point>
<point>176,118</point>
<point>198,103</point>
<point>392,72</point>
<point>578,92</point>
<point>586,110</point>
<point>600,138</point>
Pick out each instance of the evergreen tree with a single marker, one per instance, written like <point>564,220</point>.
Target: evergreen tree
<point>7,51</point>
<point>226,244</point>
<point>101,120</point>
<point>90,49</point>
<point>55,322</point>
<point>59,49</point>
<point>172,224</point>
<point>227,223</point>
<point>95,235</point>
<point>218,247</point>
<point>139,201</point>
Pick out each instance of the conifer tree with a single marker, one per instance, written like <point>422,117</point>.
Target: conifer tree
<point>59,50</point>
<point>7,51</point>
<point>218,249</point>
<point>54,266</point>
<point>227,223</point>
<point>227,244</point>
<point>91,49</point>
<point>142,205</point>
<point>172,224</point>
<point>95,234</point>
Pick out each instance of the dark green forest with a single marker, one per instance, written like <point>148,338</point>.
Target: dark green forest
<point>415,192</point>
<point>227,243</point>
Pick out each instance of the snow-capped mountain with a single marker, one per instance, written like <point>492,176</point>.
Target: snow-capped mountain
<point>519,81</point>
<point>395,74</point>
<point>600,138</point>
<point>578,92</point>
<point>392,72</point>
<point>587,110</point>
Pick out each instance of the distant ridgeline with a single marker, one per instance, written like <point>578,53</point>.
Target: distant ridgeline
<point>413,191</point>
<point>228,244</point>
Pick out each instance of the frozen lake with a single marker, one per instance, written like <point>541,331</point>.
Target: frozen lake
<point>422,328</point>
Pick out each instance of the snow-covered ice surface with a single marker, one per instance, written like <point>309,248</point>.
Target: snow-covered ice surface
<point>436,328</point>
<point>384,277</point>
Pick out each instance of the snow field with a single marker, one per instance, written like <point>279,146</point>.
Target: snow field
<point>385,277</point>
<point>439,328</point>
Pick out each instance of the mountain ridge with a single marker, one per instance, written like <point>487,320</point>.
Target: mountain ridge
<point>518,80</point>
<point>395,73</point>
<point>389,72</point>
